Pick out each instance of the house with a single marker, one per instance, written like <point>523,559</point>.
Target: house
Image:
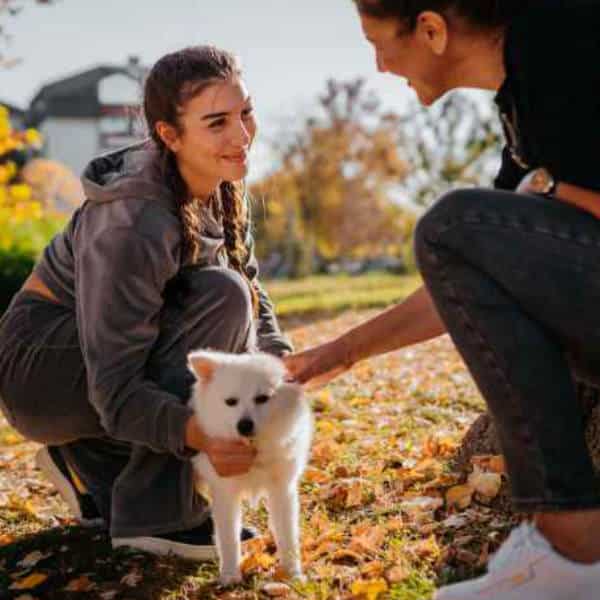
<point>89,113</point>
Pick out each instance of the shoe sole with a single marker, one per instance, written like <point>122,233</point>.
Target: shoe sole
<point>163,547</point>
<point>47,466</point>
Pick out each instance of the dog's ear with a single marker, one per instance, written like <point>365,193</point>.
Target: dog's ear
<point>202,366</point>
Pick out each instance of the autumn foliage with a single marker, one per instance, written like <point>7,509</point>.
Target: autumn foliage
<point>17,203</point>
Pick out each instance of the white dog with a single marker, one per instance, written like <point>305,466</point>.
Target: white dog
<point>246,395</point>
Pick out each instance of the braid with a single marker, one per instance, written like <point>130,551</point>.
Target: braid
<point>234,224</point>
<point>188,212</point>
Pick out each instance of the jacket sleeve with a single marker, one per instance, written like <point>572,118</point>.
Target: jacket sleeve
<point>510,174</point>
<point>120,276</point>
<point>270,337</point>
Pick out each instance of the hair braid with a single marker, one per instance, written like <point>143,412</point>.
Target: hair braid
<point>234,225</point>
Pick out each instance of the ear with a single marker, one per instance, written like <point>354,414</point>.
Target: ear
<point>168,134</point>
<point>202,366</point>
<point>432,30</point>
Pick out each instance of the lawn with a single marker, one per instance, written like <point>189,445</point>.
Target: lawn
<point>327,294</point>
<point>382,516</point>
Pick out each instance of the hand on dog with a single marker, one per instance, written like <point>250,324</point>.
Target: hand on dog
<point>318,365</point>
<point>229,457</point>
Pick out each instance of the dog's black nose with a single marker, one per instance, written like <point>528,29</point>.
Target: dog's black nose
<point>245,427</point>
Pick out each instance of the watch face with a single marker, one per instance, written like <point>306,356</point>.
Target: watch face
<point>542,181</point>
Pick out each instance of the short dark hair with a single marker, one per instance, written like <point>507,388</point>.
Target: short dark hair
<point>486,14</point>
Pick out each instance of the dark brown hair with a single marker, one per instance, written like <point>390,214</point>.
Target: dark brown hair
<point>172,82</point>
<point>485,14</point>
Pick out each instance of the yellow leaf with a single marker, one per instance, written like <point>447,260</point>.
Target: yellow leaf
<point>370,588</point>
<point>29,582</point>
<point>81,584</point>
<point>459,496</point>
<point>486,484</point>
<point>314,475</point>
<point>396,574</point>
<point>355,494</point>
<point>260,560</point>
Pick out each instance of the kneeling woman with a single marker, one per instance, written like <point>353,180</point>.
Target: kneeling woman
<point>157,261</point>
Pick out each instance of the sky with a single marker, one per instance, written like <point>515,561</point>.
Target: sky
<point>289,48</point>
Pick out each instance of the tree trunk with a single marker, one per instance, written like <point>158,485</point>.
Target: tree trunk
<point>481,436</point>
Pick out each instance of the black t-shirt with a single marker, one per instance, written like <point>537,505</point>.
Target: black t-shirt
<point>550,100</point>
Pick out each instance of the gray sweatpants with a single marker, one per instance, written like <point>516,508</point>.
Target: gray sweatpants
<point>43,393</point>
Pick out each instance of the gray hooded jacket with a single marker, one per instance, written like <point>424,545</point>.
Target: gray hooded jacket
<point>110,266</point>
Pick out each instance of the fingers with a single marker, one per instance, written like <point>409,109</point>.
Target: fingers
<point>231,457</point>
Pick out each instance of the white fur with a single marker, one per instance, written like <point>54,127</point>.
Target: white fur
<point>283,430</point>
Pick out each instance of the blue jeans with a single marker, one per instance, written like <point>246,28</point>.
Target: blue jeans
<point>516,280</point>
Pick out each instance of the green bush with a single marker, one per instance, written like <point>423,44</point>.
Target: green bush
<point>15,266</point>
<point>28,240</point>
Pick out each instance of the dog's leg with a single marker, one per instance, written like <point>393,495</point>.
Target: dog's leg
<point>284,515</point>
<point>227,516</point>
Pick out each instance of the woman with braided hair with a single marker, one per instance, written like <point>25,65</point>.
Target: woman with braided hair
<point>510,273</point>
<point>156,262</point>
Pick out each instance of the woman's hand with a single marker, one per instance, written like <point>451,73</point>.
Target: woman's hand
<point>229,457</point>
<point>318,365</point>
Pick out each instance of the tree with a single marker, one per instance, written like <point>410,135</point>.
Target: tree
<point>330,196</point>
<point>453,144</point>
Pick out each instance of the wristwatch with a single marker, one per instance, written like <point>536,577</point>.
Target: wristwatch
<point>542,182</point>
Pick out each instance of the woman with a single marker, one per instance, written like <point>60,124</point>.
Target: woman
<point>511,274</point>
<point>157,261</point>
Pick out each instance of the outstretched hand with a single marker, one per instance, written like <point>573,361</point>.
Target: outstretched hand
<point>318,365</point>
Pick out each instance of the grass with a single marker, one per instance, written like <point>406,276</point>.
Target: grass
<point>334,294</point>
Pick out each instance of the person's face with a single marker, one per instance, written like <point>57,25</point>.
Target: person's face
<point>414,56</point>
<point>217,128</point>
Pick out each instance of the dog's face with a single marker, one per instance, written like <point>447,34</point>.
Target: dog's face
<point>242,395</point>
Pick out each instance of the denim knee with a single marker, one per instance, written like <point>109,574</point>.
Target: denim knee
<point>454,207</point>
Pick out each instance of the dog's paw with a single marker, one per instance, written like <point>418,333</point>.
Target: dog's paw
<point>227,579</point>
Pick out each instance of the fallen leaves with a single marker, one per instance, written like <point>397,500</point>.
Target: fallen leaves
<point>486,485</point>
<point>32,559</point>
<point>80,584</point>
<point>370,589</point>
<point>379,502</point>
<point>29,582</point>
<point>459,497</point>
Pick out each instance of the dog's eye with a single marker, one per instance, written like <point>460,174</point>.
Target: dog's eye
<point>261,399</point>
<point>231,401</point>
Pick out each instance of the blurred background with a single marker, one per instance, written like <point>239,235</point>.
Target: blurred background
<point>345,162</point>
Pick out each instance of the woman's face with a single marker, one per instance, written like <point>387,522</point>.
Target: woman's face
<point>411,55</point>
<point>217,128</point>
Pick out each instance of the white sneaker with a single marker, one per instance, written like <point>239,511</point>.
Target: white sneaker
<point>526,567</point>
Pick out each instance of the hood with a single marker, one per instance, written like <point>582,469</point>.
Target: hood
<point>130,171</point>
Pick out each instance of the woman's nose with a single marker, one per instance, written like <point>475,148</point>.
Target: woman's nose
<point>242,135</point>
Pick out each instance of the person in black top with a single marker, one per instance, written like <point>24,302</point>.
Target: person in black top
<point>510,273</point>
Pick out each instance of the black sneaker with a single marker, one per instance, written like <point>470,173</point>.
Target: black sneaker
<point>51,463</point>
<point>193,544</point>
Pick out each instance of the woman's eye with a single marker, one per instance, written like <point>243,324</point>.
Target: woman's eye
<point>261,399</point>
<point>247,112</point>
<point>218,123</point>
<point>231,401</point>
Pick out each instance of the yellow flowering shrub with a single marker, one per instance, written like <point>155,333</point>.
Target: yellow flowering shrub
<point>18,206</point>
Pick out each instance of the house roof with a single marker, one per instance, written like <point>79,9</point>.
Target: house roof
<point>77,95</point>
